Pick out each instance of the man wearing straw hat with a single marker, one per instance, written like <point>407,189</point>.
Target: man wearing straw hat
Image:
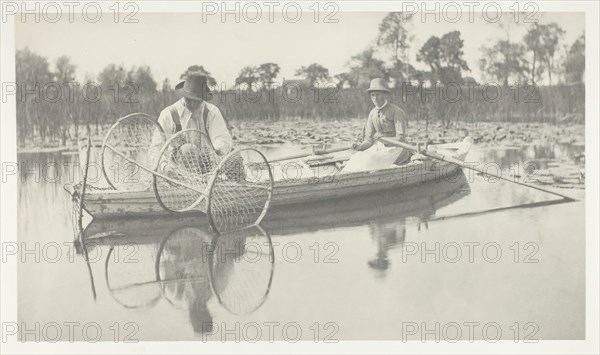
<point>193,112</point>
<point>385,120</point>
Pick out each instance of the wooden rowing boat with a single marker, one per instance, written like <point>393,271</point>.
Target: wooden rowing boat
<point>418,201</point>
<point>325,182</point>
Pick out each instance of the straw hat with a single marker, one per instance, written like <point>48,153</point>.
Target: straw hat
<point>378,84</point>
<point>195,86</point>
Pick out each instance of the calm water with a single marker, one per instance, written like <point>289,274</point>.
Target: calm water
<point>398,265</point>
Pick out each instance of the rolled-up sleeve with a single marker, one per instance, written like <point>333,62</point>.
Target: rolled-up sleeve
<point>218,132</point>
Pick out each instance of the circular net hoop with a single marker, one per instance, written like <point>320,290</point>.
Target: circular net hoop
<point>242,269</point>
<point>182,266</point>
<point>183,170</point>
<point>133,141</point>
<point>129,277</point>
<point>240,191</point>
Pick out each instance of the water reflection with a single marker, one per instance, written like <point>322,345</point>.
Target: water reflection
<point>389,231</point>
<point>188,291</point>
<point>189,267</point>
<point>386,236</point>
<point>389,206</point>
<point>538,154</point>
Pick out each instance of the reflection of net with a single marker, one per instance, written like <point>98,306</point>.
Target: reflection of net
<point>131,142</point>
<point>129,276</point>
<point>182,267</point>
<point>240,191</point>
<point>187,159</point>
<point>242,269</point>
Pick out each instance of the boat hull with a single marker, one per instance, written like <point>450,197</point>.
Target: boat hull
<point>324,184</point>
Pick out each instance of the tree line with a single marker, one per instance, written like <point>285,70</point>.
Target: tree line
<point>51,106</point>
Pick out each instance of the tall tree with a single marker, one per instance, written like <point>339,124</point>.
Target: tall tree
<point>364,67</point>
<point>444,56</point>
<point>395,35</point>
<point>504,61</point>
<point>267,72</point>
<point>430,54</point>
<point>575,61</point>
<point>313,73</point>
<point>112,80</point>
<point>344,79</point>
<point>32,72</point>
<point>143,80</point>
<point>543,41</point>
<point>451,51</point>
<point>247,76</point>
<point>532,40</point>
<point>112,76</point>
<point>65,71</point>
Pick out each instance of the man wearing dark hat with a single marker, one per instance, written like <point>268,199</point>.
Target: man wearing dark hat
<point>193,112</point>
<point>385,120</point>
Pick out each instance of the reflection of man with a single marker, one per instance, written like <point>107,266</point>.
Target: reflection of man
<point>385,120</point>
<point>184,260</point>
<point>386,235</point>
<point>185,270</point>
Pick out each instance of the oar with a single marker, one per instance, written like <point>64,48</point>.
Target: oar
<point>437,156</point>
<point>315,152</point>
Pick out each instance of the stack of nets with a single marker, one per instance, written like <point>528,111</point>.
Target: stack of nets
<point>186,173</point>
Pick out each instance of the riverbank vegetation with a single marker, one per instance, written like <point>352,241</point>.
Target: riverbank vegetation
<point>53,108</point>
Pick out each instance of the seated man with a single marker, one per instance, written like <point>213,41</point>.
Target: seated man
<point>385,120</point>
<point>192,111</point>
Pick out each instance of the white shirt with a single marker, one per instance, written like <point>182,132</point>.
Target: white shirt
<point>215,123</point>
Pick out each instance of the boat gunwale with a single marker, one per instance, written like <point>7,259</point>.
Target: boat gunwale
<point>295,183</point>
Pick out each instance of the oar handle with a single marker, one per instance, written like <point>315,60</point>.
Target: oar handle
<point>314,152</point>
<point>437,156</point>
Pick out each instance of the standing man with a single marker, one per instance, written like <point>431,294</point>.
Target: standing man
<point>193,112</point>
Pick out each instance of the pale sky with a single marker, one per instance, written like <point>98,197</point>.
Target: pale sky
<point>171,42</point>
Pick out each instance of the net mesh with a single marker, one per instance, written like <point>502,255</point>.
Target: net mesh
<point>186,173</point>
<point>240,191</point>
<point>132,142</point>
<point>129,274</point>
<point>184,167</point>
<point>242,269</point>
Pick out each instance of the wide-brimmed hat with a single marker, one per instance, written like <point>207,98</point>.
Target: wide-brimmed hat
<point>195,86</point>
<point>378,84</point>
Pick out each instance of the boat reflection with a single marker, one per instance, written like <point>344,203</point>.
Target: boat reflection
<point>180,262</point>
<point>189,267</point>
<point>388,230</point>
<point>417,203</point>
